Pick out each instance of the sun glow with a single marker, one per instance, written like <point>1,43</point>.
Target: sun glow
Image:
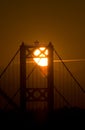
<point>41,56</point>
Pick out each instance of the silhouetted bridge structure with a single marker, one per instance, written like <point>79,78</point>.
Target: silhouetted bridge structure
<point>25,85</point>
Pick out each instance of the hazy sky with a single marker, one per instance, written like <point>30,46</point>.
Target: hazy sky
<point>61,22</point>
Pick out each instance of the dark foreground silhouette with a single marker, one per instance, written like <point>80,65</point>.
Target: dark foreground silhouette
<point>62,118</point>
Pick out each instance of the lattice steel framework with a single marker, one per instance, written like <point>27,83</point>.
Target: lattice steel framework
<point>28,94</point>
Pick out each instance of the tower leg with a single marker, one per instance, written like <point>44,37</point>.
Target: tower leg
<point>22,77</point>
<point>50,78</point>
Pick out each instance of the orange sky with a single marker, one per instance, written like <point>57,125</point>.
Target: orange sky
<point>61,22</point>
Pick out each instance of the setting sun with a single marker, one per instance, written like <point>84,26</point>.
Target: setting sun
<point>42,53</point>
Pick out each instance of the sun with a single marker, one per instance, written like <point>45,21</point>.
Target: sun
<point>41,56</point>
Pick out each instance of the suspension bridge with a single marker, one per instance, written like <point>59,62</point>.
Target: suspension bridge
<point>26,85</point>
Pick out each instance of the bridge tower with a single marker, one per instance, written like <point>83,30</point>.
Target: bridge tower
<point>26,51</point>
